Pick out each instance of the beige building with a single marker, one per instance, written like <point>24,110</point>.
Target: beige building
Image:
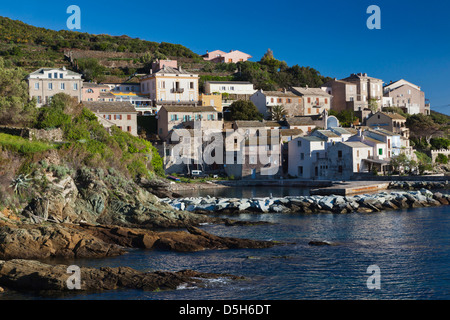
<point>178,117</point>
<point>407,96</point>
<point>389,121</point>
<point>44,83</point>
<point>343,95</point>
<point>170,85</point>
<point>367,88</point>
<point>266,100</point>
<point>121,114</point>
<point>314,100</point>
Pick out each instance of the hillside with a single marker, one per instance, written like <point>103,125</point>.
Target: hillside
<point>117,58</point>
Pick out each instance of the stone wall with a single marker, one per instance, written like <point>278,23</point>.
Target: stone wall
<point>434,153</point>
<point>53,135</point>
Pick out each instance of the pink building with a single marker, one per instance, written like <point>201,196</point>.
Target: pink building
<point>93,91</point>
<point>160,64</point>
<point>233,56</point>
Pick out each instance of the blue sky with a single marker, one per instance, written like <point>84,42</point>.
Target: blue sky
<point>330,36</point>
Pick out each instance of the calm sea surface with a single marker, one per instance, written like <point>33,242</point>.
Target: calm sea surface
<point>411,248</point>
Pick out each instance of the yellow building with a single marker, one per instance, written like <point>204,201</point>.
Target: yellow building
<point>213,99</point>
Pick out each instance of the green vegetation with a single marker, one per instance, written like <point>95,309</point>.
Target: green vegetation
<point>244,110</point>
<point>346,117</point>
<point>23,146</point>
<point>442,158</point>
<point>15,106</point>
<point>278,113</point>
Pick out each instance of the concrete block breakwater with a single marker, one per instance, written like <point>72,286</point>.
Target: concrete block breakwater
<point>313,204</point>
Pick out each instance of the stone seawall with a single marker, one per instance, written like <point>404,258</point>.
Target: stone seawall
<point>313,204</point>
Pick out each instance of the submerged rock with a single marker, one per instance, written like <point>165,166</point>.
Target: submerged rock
<point>30,275</point>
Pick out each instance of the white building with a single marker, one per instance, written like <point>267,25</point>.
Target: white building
<point>230,87</point>
<point>307,158</point>
<point>44,83</point>
<point>347,158</point>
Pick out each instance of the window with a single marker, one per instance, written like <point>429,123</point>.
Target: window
<point>50,86</point>
<point>191,85</point>
<point>271,100</point>
<point>340,169</point>
<point>75,86</point>
<point>326,100</point>
<point>309,110</point>
<point>63,86</point>
<point>300,171</point>
<point>309,100</point>
<point>340,154</point>
<point>380,151</point>
<point>55,75</point>
<point>129,128</point>
<point>288,100</point>
<point>39,99</point>
<point>128,116</point>
<point>302,156</point>
<point>299,143</point>
<point>357,153</point>
<point>49,75</point>
<point>61,76</point>
<point>279,100</point>
<point>36,86</point>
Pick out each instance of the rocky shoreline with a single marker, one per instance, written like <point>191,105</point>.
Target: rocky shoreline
<point>313,204</point>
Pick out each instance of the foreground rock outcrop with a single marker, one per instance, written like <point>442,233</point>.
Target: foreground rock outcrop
<point>314,204</point>
<point>32,241</point>
<point>30,275</point>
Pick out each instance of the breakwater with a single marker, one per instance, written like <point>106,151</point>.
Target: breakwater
<point>364,203</point>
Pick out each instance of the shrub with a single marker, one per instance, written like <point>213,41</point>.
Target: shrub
<point>442,158</point>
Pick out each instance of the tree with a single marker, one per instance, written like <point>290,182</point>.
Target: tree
<point>439,143</point>
<point>244,110</point>
<point>399,162</point>
<point>15,106</point>
<point>422,126</point>
<point>373,105</point>
<point>278,113</point>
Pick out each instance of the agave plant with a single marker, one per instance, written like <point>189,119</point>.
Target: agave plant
<point>20,182</point>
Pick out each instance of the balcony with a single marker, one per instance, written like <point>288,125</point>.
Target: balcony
<point>177,90</point>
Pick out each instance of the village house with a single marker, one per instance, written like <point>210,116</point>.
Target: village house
<point>177,117</point>
<point>347,158</point>
<point>407,96</point>
<point>266,100</point>
<point>367,88</point>
<point>92,91</point>
<point>213,100</point>
<point>170,85</point>
<point>121,114</point>
<point>377,160</point>
<point>389,121</point>
<point>253,156</point>
<point>218,56</point>
<point>306,124</point>
<point>307,157</point>
<point>44,83</point>
<point>230,90</point>
<point>344,95</point>
<point>314,100</point>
